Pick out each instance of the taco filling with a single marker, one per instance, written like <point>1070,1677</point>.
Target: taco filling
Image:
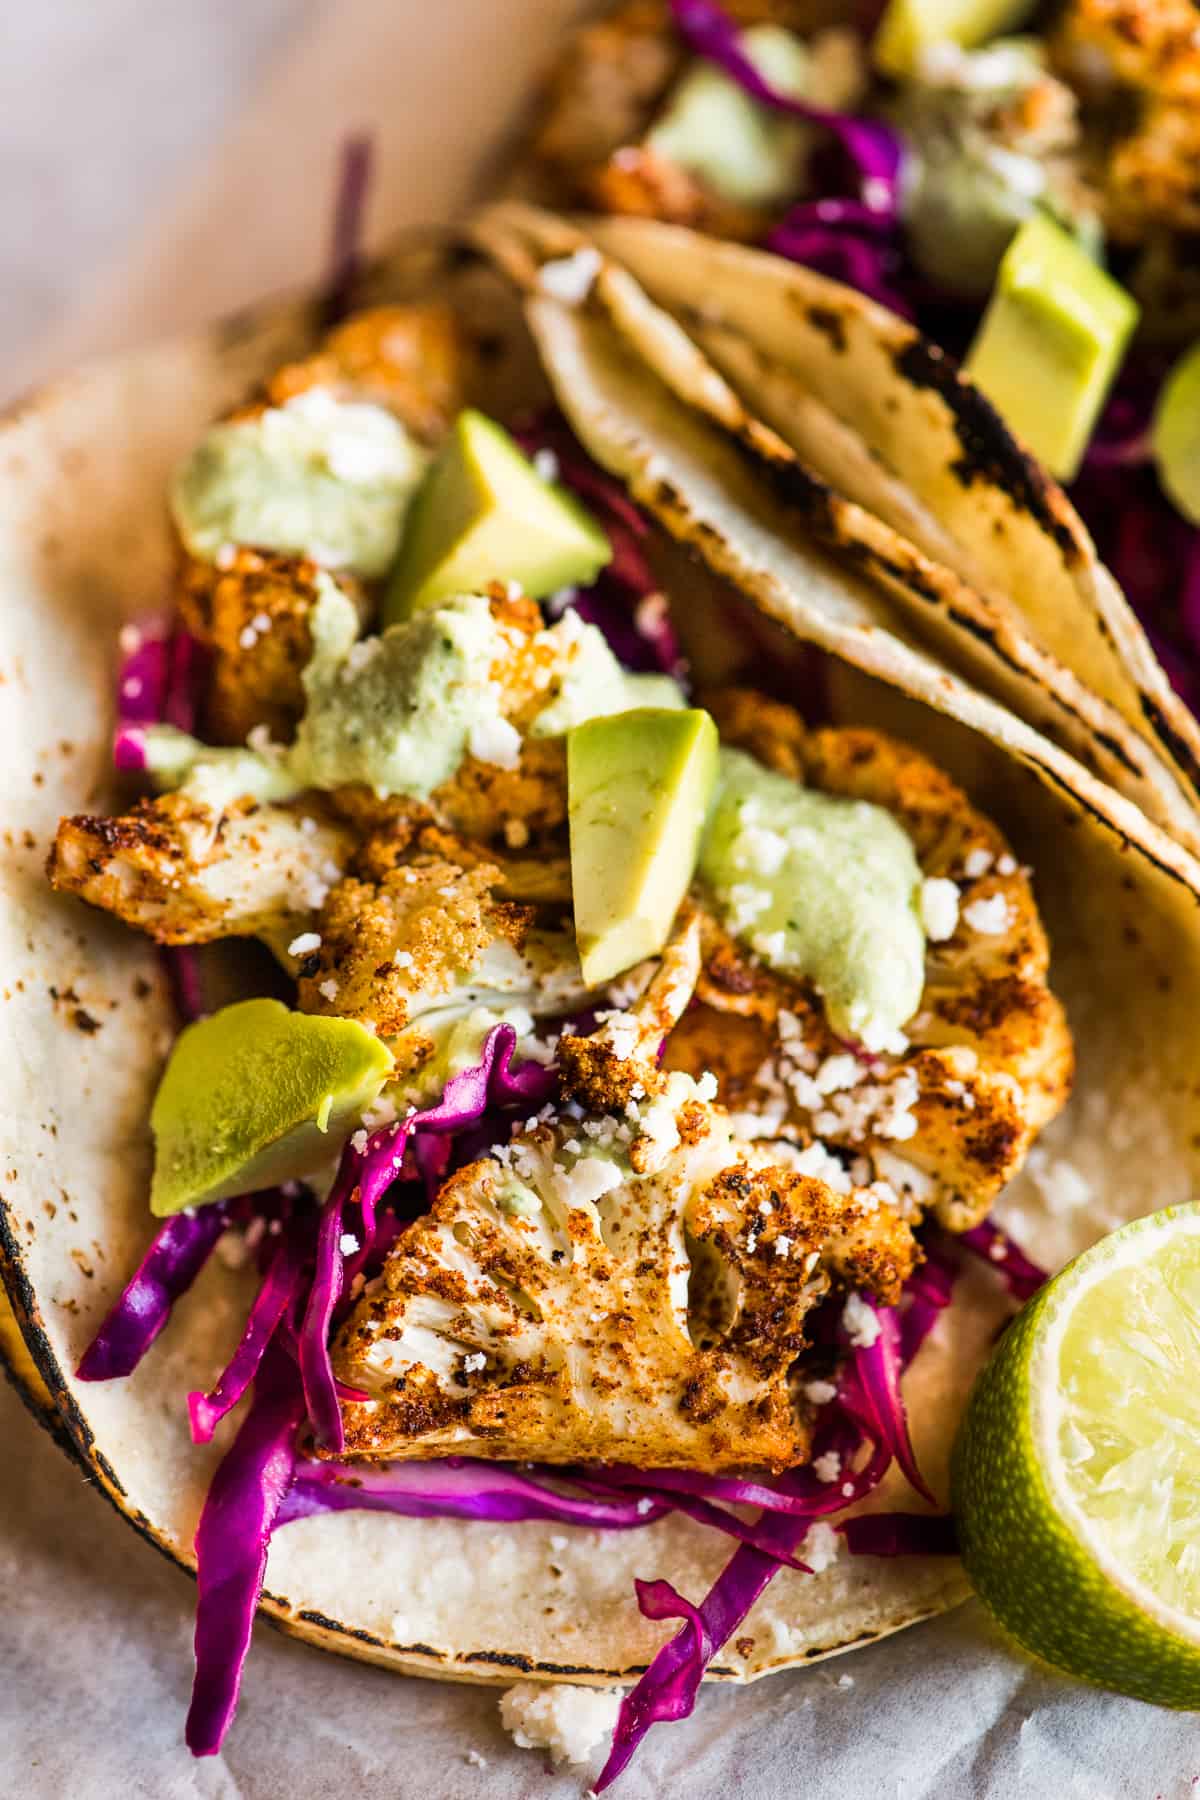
<point>627,1060</point>
<point>1019,181</point>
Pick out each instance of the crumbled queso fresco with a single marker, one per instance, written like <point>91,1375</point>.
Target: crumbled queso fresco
<point>569,1722</point>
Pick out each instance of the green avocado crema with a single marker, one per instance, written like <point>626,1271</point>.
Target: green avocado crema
<point>396,711</point>
<point>823,887</point>
<point>255,1095</point>
<point>318,477</point>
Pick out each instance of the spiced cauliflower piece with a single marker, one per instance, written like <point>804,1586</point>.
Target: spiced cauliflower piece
<point>412,360</point>
<point>546,1308</point>
<point>948,1121</point>
<point>187,872</point>
<point>1137,65</point>
<point>251,611</point>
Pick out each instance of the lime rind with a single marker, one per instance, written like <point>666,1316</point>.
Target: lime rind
<point>1040,1562</point>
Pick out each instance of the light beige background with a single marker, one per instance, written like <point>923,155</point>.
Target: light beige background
<point>162,161</point>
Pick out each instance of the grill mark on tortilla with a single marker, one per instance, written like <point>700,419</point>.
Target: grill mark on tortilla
<point>989,452</point>
<point>829,322</point>
<point>1176,743</point>
<point>797,489</point>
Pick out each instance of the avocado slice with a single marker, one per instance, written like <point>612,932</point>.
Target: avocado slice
<point>254,1095</point>
<point>736,146</point>
<point>1175,434</point>
<point>638,788</point>
<point>910,27</point>
<point>483,514</point>
<point>1051,342</point>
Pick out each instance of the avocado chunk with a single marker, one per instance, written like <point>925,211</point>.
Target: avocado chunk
<point>1175,435</point>
<point>1051,342</point>
<point>909,27</point>
<point>638,788</point>
<point>483,514</point>
<point>254,1095</point>
<point>736,146</point>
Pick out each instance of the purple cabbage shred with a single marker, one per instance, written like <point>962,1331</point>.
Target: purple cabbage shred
<point>178,1251</point>
<point>1020,1275</point>
<point>232,1539</point>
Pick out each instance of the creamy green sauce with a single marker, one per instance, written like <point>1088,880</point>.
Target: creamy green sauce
<point>593,685</point>
<point>317,477</point>
<point>212,776</point>
<point>821,887</point>
<point>395,711</point>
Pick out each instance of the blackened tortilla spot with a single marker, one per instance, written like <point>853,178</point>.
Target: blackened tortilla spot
<point>831,324</point>
<point>1180,750</point>
<point>989,453</point>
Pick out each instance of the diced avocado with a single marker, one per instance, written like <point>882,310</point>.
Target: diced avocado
<point>1051,342</point>
<point>638,788</point>
<point>1176,434</point>
<point>255,1095</point>
<point>737,147</point>
<point>910,27</point>
<point>484,514</point>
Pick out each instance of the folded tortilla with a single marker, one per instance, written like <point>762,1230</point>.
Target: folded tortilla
<point>86,1019</point>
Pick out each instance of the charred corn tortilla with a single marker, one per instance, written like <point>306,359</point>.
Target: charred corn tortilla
<point>83,546</point>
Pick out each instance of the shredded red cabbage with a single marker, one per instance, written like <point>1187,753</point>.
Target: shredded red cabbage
<point>624,602</point>
<point>456,1488</point>
<point>899,1534</point>
<point>279,1290</point>
<point>870,1393</point>
<point>872,147</point>
<point>346,237</point>
<point>371,1171</point>
<point>240,1511</point>
<point>1021,1276</point>
<point>178,1251</point>
<point>929,1291</point>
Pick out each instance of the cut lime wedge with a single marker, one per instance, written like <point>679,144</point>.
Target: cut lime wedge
<point>1077,1469</point>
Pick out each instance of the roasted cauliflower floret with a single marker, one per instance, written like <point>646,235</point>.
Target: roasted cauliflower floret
<point>389,950</point>
<point>186,872</point>
<point>413,360</point>
<point>1137,65</point>
<point>546,1307</point>
<point>252,613</point>
<point>949,1121</point>
<point>618,1061</point>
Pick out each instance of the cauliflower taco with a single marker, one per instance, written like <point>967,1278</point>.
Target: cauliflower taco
<point>552,981</point>
<point>1014,180</point>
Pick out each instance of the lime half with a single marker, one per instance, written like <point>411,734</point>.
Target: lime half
<point>1077,1469</point>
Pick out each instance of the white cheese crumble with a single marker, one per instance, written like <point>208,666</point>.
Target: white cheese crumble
<point>328,990</point>
<point>861,1322</point>
<point>359,1142</point>
<point>403,959</point>
<point>820,1548</point>
<point>347,1243</point>
<point>495,741</point>
<point>569,1722</point>
<point>977,862</point>
<point>546,464</point>
<point>989,917</point>
<point>782,1245</point>
<point>939,908</point>
<point>590,1179</point>
<point>473,1363</point>
<point>570,278</point>
<point>820,1392</point>
<point>828,1467</point>
<point>308,940</point>
<point>476,1761</point>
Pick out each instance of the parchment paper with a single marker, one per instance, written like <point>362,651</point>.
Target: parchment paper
<point>95,1630</point>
